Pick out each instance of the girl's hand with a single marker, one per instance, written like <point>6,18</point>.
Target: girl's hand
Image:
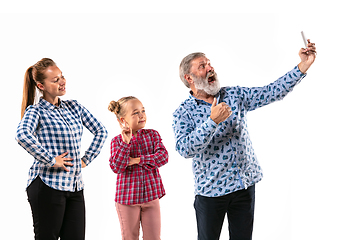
<point>126,131</point>
<point>61,162</point>
<point>134,161</point>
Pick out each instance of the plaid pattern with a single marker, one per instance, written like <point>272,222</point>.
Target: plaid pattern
<point>138,183</point>
<point>47,131</point>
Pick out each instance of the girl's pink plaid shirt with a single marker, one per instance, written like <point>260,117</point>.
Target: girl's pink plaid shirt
<point>139,183</point>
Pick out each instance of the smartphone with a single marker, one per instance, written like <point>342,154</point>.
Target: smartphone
<point>304,39</point>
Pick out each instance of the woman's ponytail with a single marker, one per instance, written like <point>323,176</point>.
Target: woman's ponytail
<point>28,90</point>
<point>34,74</point>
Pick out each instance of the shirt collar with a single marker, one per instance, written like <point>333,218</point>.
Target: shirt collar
<point>45,104</point>
<point>198,101</point>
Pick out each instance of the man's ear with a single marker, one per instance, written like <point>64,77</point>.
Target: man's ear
<point>40,86</point>
<point>188,78</point>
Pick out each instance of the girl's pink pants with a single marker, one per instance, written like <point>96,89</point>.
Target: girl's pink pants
<point>130,217</point>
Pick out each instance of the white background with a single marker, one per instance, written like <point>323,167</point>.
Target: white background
<point>307,144</point>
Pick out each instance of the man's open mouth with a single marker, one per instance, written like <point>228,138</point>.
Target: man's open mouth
<point>211,78</point>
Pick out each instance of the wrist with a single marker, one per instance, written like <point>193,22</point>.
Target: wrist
<point>52,163</point>
<point>134,161</point>
<point>127,141</point>
<point>303,67</point>
<point>214,120</point>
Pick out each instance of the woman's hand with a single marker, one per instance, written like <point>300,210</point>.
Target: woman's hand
<point>126,131</point>
<point>83,164</point>
<point>62,162</point>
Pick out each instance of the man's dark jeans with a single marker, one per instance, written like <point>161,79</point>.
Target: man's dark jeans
<point>239,207</point>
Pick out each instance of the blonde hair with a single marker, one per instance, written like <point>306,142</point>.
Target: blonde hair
<point>33,75</point>
<point>118,107</point>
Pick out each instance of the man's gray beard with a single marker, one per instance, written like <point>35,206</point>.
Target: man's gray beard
<point>202,84</point>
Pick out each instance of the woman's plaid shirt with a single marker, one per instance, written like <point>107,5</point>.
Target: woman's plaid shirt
<point>47,131</point>
<point>138,183</point>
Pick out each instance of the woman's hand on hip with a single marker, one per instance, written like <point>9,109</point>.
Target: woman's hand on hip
<point>62,162</point>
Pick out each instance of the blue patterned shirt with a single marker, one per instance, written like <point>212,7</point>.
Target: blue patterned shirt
<point>223,157</point>
<point>47,131</point>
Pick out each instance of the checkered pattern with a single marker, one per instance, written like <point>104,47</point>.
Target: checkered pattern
<point>47,131</point>
<point>139,183</point>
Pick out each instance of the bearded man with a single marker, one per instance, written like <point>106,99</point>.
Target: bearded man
<point>211,128</point>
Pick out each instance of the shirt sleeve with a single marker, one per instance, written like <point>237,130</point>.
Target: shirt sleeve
<point>119,155</point>
<point>189,139</point>
<point>99,131</point>
<point>26,137</point>
<point>160,155</point>
<point>260,96</point>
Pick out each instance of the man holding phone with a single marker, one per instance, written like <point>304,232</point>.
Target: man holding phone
<point>211,127</point>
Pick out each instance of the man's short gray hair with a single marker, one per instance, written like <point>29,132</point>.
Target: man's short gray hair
<point>185,66</point>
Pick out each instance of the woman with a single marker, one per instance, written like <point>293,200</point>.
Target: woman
<point>51,132</point>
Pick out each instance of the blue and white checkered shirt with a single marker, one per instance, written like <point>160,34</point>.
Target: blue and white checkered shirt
<point>224,160</point>
<point>47,131</point>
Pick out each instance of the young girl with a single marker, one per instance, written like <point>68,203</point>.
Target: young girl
<point>136,155</point>
<point>51,132</point>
